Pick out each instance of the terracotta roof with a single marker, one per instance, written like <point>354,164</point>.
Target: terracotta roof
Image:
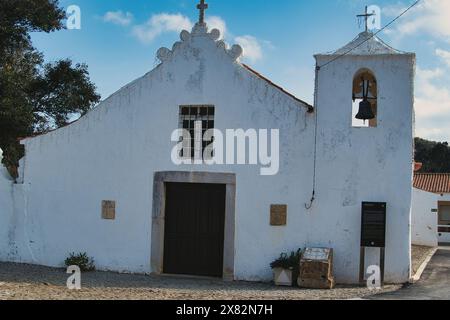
<point>307,105</point>
<point>432,182</point>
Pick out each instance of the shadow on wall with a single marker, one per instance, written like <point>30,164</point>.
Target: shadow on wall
<point>6,210</point>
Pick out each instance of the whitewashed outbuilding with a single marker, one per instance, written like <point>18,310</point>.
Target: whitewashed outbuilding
<point>104,184</point>
<point>431,209</point>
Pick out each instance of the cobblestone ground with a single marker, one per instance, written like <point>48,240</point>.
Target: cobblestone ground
<point>20,281</point>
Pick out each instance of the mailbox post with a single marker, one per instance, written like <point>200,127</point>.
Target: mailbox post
<point>373,233</point>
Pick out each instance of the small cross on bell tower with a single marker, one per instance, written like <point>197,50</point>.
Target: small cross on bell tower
<point>202,6</point>
<point>366,17</point>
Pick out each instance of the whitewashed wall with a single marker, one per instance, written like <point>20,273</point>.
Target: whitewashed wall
<point>364,164</point>
<point>113,152</point>
<point>424,219</point>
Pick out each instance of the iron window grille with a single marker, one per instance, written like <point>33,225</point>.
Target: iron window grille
<point>189,116</point>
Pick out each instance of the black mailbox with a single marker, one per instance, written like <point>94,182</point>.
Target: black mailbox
<point>373,229</point>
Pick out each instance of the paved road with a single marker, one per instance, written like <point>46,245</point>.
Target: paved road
<point>434,284</point>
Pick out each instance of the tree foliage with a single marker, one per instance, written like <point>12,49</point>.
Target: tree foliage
<point>435,156</point>
<point>20,17</point>
<point>60,91</point>
<point>35,96</point>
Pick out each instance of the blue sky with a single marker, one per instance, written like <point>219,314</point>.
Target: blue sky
<point>119,39</point>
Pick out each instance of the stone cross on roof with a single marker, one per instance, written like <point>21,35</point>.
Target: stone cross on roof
<point>202,6</point>
<point>366,17</point>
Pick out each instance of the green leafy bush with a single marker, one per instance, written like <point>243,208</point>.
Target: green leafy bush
<point>289,262</point>
<point>285,261</point>
<point>435,156</point>
<point>81,260</point>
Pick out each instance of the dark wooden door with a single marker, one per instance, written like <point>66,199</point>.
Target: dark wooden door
<point>194,229</point>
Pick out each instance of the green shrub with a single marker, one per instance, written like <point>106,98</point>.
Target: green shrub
<point>285,261</point>
<point>81,260</point>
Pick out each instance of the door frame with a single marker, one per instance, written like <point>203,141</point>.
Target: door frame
<point>159,212</point>
<point>443,237</point>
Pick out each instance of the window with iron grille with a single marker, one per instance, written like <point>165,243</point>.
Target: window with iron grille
<point>200,118</point>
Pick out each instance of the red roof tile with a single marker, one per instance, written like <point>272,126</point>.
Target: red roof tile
<point>432,182</point>
<point>417,166</point>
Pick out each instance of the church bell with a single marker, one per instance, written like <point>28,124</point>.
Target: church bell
<point>365,111</point>
<point>365,108</point>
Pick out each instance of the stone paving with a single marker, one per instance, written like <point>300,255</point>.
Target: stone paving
<point>20,281</point>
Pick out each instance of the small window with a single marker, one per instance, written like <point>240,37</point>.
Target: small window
<point>196,120</point>
<point>365,98</point>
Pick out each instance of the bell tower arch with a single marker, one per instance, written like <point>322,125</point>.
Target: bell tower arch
<point>365,99</point>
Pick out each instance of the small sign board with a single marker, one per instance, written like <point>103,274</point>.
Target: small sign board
<point>316,254</point>
<point>373,225</point>
<point>278,215</point>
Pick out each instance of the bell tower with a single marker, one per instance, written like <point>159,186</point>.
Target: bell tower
<point>364,99</point>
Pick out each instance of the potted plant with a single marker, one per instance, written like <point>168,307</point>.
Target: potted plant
<point>286,268</point>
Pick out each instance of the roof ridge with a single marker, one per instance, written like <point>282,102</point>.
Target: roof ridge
<point>366,43</point>
<point>432,182</point>
<point>259,75</point>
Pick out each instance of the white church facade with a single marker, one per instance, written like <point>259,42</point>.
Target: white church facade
<point>106,184</point>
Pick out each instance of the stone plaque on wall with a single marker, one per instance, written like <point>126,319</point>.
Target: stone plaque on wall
<point>278,215</point>
<point>108,210</point>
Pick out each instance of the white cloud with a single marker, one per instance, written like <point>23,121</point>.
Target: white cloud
<point>252,47</point>
<point>445,55</point>
<point>432,97</point>
<point>118,17</point>
<point>215,22</point>
<point>164,22</point>
<point>429,16</point>
<point>432,105</point>
<point>161,23</point>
